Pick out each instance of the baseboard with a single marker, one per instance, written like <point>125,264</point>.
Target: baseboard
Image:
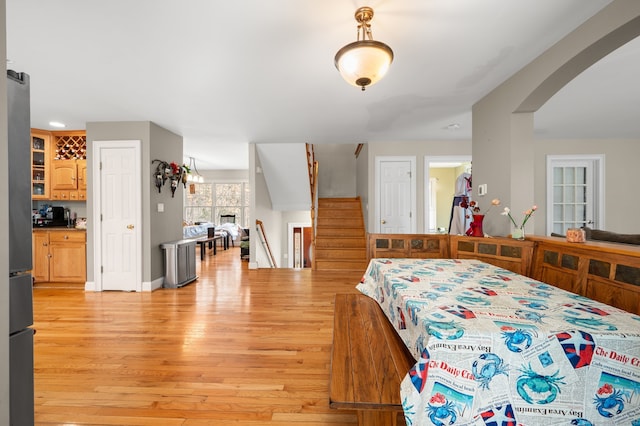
<point>146,285</point>
<point>153,285</point>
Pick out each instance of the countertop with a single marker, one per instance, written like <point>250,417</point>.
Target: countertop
<point>56,228</point>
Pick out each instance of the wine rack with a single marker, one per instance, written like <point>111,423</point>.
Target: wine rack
<point>70,147</point>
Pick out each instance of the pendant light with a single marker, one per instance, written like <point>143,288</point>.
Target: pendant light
<point>365,61</point>
<point>197,177</point>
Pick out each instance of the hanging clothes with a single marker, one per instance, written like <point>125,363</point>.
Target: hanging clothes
<point>458,223</point>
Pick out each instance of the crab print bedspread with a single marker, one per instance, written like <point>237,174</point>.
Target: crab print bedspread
<point>496,348</point>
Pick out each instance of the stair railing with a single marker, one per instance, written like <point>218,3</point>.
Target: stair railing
<point>265,243</point>
<point>312,166</point>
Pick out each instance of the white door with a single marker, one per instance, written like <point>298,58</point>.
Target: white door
<point>119,204</point>
<point>396,195</point>
<point>574,192</point>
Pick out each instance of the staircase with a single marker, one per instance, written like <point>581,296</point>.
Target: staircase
<point>340,236</point>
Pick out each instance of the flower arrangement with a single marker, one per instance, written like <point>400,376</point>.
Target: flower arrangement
<point>475,227</point>
<point>475,208</point>
<point>527,215</point>
<point>519,231</point>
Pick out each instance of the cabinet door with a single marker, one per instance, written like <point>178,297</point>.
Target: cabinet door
<point>82,174</point>
<point>40,146</point>
<point>68,262</point>
<point>41,256</point>
<point>64,175</point>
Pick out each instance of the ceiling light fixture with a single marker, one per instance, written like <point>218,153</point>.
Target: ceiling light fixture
<point>191,177</point>
<point>365,61</point>
<point>57,124</point>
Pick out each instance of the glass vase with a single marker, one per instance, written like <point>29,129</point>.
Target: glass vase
<point>475,228</point>
<point>518,234</point>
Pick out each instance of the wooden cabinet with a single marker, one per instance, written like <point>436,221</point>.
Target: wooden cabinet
<point>59,165</point>
<point>40,163</point>
<point>69,166</point>
<point>59,255</point>
<point>40,256</point>
<point>68,180</point>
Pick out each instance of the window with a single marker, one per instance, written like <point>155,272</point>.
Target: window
<point>211,200</point>
<point>199,205</point>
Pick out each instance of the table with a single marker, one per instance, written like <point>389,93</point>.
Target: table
<point>211,242</point>
<point>498,348</point>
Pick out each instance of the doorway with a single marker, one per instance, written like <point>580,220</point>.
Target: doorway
<point>299,245</point>
<point>441,173</point>
<point>117,261</point>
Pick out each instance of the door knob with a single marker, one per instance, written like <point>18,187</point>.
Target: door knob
<point>129,226</point>
<point>383,221</point>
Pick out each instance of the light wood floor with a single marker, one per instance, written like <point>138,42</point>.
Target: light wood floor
<point>237,346</point>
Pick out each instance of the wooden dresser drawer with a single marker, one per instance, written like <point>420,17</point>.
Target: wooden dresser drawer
<point>67,236</point>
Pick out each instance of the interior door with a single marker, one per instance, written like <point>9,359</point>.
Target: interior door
<point>574,192</point>
<point>119,211</point>
<point>396,195</point>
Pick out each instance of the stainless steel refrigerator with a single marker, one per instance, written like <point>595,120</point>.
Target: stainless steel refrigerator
<point>20,257</point>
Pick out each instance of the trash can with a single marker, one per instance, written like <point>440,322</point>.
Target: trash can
<point>179,263</point>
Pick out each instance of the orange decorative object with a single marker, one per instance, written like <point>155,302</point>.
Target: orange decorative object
<point>576,235</point>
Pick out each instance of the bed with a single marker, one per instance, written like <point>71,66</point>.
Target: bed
<point>498,348</point>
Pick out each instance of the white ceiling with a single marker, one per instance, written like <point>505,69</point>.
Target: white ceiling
<point>226,73</point>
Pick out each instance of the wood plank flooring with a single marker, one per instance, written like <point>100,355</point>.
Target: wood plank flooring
<point>236,347</point>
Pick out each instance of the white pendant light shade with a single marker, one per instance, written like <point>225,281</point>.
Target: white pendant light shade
<point>365,61</point>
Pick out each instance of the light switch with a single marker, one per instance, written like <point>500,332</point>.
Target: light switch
<point>160,207</point>
<point>482,189</point>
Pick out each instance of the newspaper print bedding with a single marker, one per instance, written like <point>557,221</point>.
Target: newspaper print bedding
<point>496,348</point>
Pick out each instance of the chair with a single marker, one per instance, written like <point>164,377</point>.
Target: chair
<point>227,218</point>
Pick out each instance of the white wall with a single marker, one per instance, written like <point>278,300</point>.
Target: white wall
<point>621,165</point>
<point>336,165</point>
<point>263,210</point>
<point>419,150</point>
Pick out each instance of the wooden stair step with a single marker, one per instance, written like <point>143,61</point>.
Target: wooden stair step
<point>341,253</point>
<point>340,242</point>
<point>343,222</point>
<point>329,265</point>
<point>339,232</point>
<point>336,204</point>
<point>343,242</point>
<point>342,212</point>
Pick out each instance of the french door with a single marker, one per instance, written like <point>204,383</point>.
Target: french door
<point>574,192</point>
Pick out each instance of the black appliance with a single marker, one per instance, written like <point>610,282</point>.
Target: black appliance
<point>21,396</point>
<point>57,216</point>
